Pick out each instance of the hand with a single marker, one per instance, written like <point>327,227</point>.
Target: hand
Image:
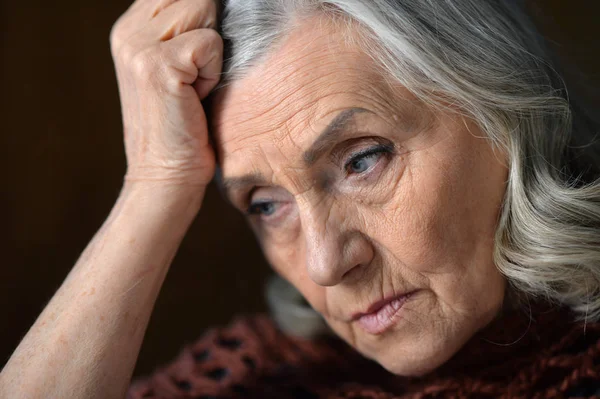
<point>168,57</point>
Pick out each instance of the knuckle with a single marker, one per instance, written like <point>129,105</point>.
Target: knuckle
<point>143,64</point>
<point>119,33</point>
<point>214,41</point>
<point>207,48</point>
<point>171,83</point>
<point>125,53</point>
<point>115,37</point>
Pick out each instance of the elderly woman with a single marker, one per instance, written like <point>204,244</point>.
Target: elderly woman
<point>415,169</point>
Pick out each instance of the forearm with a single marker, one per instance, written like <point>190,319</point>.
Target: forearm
<point>86,341</point>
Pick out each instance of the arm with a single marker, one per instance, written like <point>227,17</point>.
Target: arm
<point>85,343</point>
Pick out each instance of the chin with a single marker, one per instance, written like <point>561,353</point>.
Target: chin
<point>416,364</point>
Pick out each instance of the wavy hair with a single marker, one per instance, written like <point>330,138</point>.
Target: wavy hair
<point>488,60</point>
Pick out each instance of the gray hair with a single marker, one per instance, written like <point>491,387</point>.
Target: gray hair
<point>488,60</point>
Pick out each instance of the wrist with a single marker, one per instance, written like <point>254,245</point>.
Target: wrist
<point>180,176</point>
<point>168,197</point>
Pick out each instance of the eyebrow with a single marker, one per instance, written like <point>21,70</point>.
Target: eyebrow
<point>330,135</point>
<point>236,183</point>
<point>326,139</point>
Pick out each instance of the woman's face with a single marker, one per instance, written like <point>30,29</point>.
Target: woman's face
<point>381,211</point>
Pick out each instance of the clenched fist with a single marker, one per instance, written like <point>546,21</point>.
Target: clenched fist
<point>168,57</point>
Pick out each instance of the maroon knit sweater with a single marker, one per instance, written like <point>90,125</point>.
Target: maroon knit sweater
<point>554,358</point>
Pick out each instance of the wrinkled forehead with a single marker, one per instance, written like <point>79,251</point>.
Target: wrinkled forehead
<point>291,95</point>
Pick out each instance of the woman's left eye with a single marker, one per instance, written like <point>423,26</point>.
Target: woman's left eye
<point>364,161</point>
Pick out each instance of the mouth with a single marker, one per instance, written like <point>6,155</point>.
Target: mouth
<point>382,315</point>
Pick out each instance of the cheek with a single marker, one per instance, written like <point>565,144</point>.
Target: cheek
<point>437,229</point>
<point>443,211</point>
<point>413,222</point>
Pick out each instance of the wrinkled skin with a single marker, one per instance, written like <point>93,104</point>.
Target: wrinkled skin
<point>416,214</point>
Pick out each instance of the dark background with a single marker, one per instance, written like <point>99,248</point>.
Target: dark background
<point>62,165</point>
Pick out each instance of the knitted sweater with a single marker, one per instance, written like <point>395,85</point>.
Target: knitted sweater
<point>517,356</point>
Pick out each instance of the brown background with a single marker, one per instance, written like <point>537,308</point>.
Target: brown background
<point>62,164</point>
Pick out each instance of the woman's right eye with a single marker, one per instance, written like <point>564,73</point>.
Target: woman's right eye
<point>269,206</point>
<point>262,208</point>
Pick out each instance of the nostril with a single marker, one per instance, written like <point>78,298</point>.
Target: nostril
<point>351,272</point>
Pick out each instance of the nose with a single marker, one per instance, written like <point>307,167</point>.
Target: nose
<point>333,249</point>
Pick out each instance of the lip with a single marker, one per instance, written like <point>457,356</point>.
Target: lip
<point>381,315</point>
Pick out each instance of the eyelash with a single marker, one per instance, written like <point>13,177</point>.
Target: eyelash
<point>381,149</point>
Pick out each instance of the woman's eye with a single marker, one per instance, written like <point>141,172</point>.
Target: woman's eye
<point>363,163</point>
<point>264,208</point>
<point>366,160</point>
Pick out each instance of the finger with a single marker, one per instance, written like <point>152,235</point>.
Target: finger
<point>157,8</point>
<point>133,20</point>
<point>198,56</point>
<point>180,17</point>
<point>183,16</point>
<point>139,13</point>
<point>145,10</point>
